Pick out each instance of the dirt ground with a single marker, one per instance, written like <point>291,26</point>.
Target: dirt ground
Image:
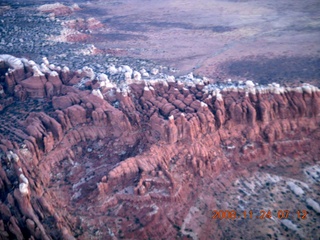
<point>263,40</point>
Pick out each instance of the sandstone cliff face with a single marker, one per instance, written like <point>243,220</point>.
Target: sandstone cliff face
<point>133,163</point>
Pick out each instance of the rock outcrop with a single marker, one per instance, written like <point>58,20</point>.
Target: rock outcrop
<point>136,157</point>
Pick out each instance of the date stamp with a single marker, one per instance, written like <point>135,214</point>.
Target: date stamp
<point>262,214</point>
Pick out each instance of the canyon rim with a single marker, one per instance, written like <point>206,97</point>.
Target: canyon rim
<point>137,119</point>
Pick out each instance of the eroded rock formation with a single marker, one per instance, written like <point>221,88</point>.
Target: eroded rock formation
<point>131,161</point>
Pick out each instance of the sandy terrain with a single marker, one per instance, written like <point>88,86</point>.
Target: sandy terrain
<point>99,141</point>
<point>209,35</point>
<point>272,41</point>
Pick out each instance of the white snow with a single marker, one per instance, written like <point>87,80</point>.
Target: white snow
<point>313,204</point>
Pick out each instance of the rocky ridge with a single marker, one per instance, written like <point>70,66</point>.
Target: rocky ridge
<point>138,153</point>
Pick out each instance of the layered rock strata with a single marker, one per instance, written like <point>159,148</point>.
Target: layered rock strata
<point>130,161</point>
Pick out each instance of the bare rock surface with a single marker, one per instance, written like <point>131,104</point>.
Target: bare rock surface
<point>96,142</point>
<point>150,158</point>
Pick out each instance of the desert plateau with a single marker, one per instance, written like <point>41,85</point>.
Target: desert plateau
<point>153,120</point>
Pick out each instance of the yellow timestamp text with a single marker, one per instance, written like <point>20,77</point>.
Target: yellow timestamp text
<point>262,214</point>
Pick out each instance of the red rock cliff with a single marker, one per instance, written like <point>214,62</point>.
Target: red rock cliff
<point>134,160</point>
